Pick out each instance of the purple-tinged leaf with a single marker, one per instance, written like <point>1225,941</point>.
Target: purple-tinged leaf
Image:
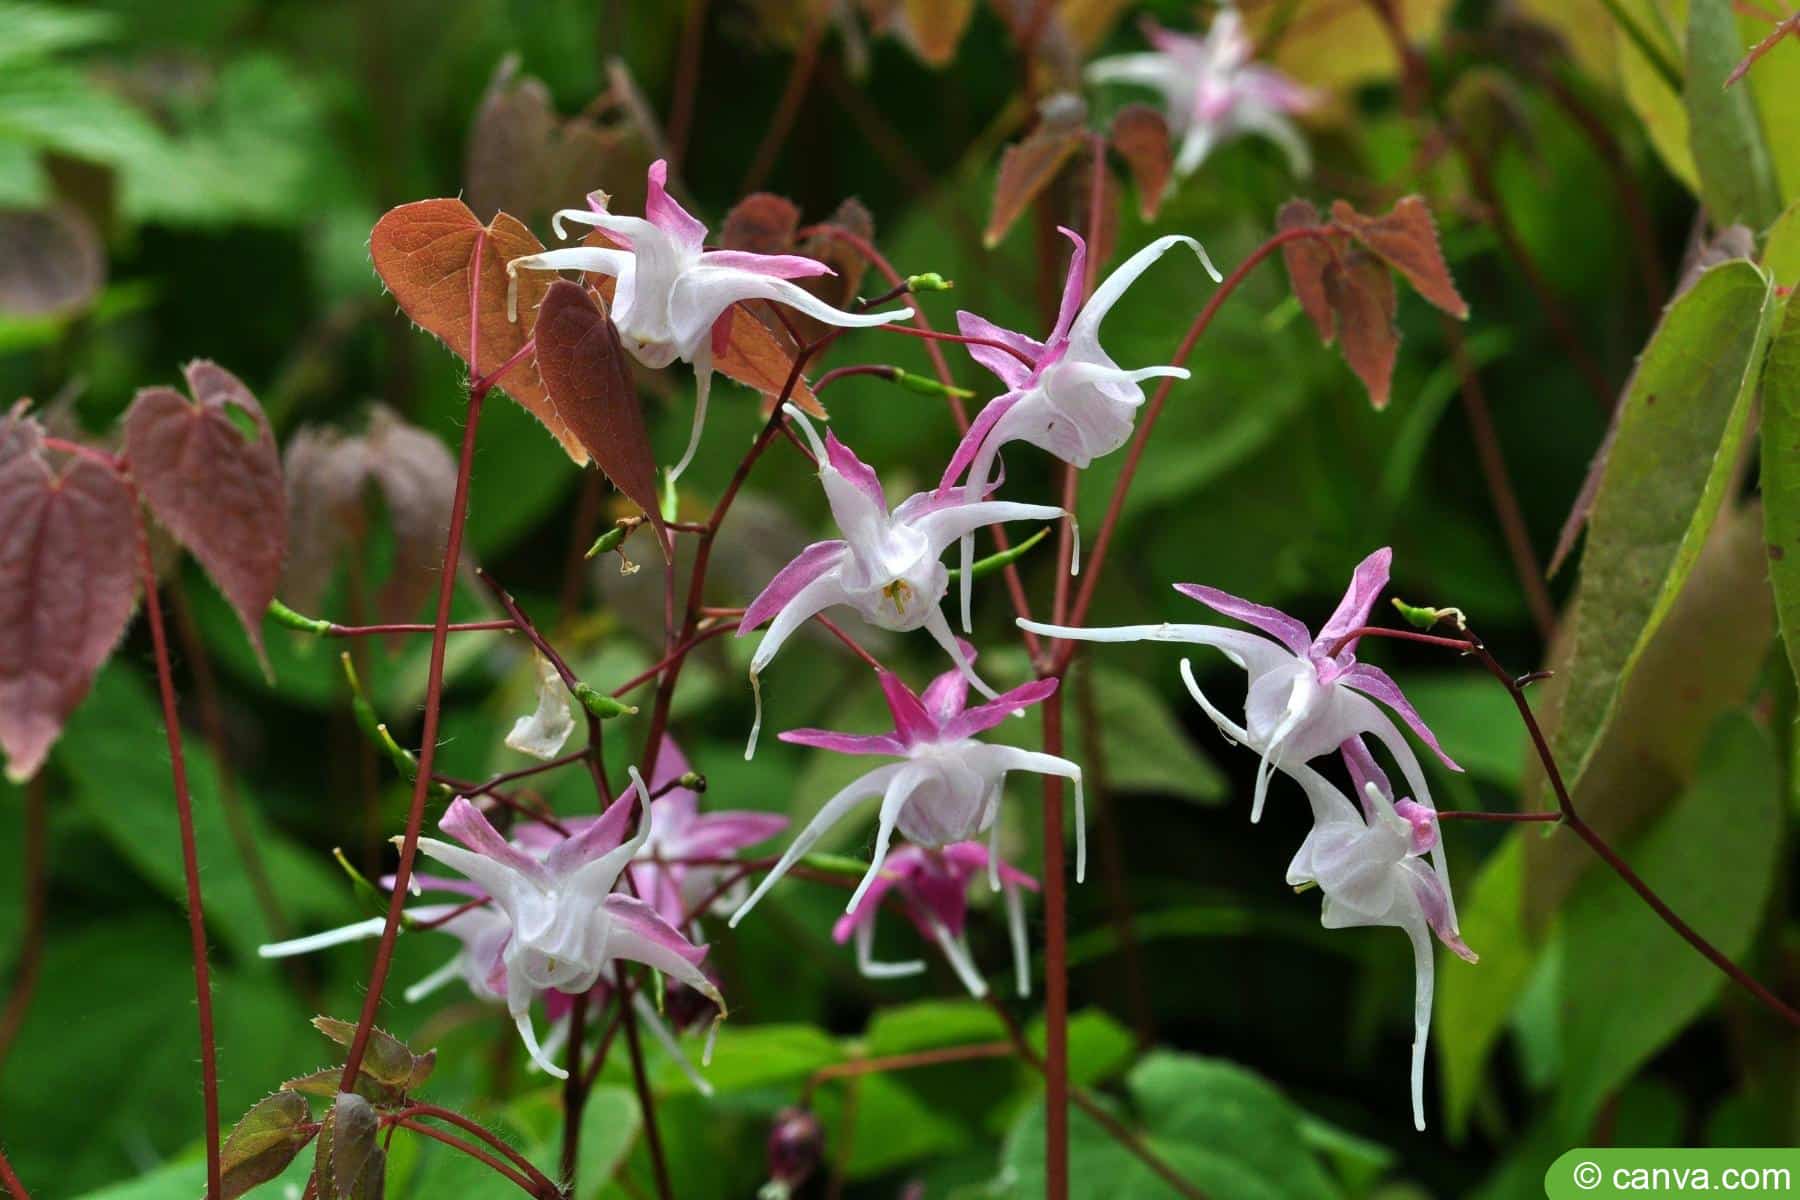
<point>209,470</point>
<point>264,1141</point>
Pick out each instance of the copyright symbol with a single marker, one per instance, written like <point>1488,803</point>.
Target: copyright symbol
<point>1588,1176</point>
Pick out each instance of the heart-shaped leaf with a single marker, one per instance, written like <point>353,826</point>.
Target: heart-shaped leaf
<point>1362,297</point>
<point>756,358</point>
<point>67,586</point>
<point>762,223</point>
<point>210,472</point>
<point>425,252</point>
<point>1406,239</point>
<point>1026,169</point>
<point>264,1141</point>
<point>1141,136</point>
<point>584,368</point>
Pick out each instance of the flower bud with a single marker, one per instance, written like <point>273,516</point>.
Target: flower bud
<point>796,1143</point>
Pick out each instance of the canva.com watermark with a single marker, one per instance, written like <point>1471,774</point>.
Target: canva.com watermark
<point>1660,1172</point>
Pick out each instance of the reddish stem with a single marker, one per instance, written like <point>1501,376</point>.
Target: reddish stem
<point>9,1179</point>
<point>34,879</point>
<point>81,451</point>
<point>806,57</point>
<point>640,1079</point>
<point>681,651</point>
<point>961,339</point>
<point>836,373</point>
<point>1056,968</point>
<point>1454,815</point>
<point>434,699</point>
<point>417,1108</point>
<point>475,1152</point>
<point>190,861</point>
<point>687,81</point>
<point>837,632</point>
<point>904,1062</point>
<point>337,630</point>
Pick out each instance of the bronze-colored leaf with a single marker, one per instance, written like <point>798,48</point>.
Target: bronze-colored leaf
<point>1306,260</point>
<point>325,473</point>
<point>425,254</point>
<point>757,358</point>
<point>1406,239</point>
<point>1026,169</point>
<point>1141,136</point>
<point>934,28</point>
<point>263,1142</point>
<point>1361,293</point>
<point>841,289</point>
<point>762,223</point>
<point>68,573</point>
<point>387,1058</point>
<point>589,380</point>
<point>323,1083</point>
<point>209,470</point>
<point>354,1127</point>
<point>51,262</point>
<point>417,476</point>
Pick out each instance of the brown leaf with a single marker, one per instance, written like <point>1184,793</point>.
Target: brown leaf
<point>934,28</point>
<point>757,358</point>
<point>325,473</point>
<point>1306,260</point>
<point>1406,239</point>
<point>417,476</point>
<point>1361,293</point>
<point>589,380</point>
<point>210,472</point>
<point>356,1162</point>
<point>67,587</point>
<point>1141,136</point>
<point>51,262</point>
<point>841,289</point>
<point>1026,169</point>
<point>423,251</point>
<point>762,223</point>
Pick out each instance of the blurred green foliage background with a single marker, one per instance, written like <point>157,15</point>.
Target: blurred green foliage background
<point>229,158</point>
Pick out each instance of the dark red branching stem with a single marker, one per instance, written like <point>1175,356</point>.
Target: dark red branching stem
<point>478,1154</point>
<point>961,339</point>
<point>687,81</point>
<point>640,1079</point>
<point>351,631</point>
<point>681,651</point>
<point>837,631</point>
<point>596,768</point>
<point>1515,687</point>
<point>836,373</point>
<point>574,1094</point>
<point>858,1067</point>
<point>806,57</point>
<point>1090,575</point>
<point>1454,815</point>
<point>452,1117</point>
<point>1056,967</point>
<point>34,879</point>
<point>9,1180</point>
<point>190,860</point>
<point>434,689</point>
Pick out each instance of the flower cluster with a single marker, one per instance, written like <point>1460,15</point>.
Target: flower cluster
<point>1212,91</point>
<point>1308,697</point>
<point>540,919</point>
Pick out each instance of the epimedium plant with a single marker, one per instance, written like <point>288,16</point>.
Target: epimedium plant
<point>607,918</point>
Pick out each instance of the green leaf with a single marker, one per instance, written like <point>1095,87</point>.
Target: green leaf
<point>1737,178</point>
<point>116,756</point>
<point>745,1059</point>
<point>1651,94</point>
<point>1474,717</point>
<point>40,30</point>
<point>55,107</point>
<point>1676,444</point>
<point>1781,250</point>
<point>1630,982</point>
<point>1099,1047</point>
<point>263,1142</point>
<point>1781,478</point>
<point>1473,1006</point>
<point>929,1024</point>
<point>609,1126</point>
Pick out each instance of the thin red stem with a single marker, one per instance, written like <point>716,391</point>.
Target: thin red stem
<point>806,57</point>
<point>348,631</point>
<point>190,861</point>
<point>1056,968</point>
<point>419,1109</point>
<point>1454,815</point>
<point>434,697</point>
<point>475,1152</point>
<point>836,373</point>
<point>81,451</point>
<point>34,880</point>
<point>681,651</point>
<point>856,648</point>
<point>858,1067</point>
<point>9,1179</point>
<point>640,1079</point>
<point>961,339</point>
<point>687,81</point>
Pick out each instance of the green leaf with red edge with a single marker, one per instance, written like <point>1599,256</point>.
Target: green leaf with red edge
<point>1026,169</point>
<point>589,380</point>
<point>1361,294</point>
<point>1406,239</point>
<point>1140,134</point>
<point>1306,260</point>
<point>263,1142</point>
<point>68,582</point>
<point>208,468</point>
<point>425,254</point>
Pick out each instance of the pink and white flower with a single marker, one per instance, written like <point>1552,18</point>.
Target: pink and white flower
<point>674,295</point>
<point>1368,865</point>
<point>1212,91</point>
<point>885,566</point>
<point>1065,394</point>
<point>932,887</point>
<point>946,786</point>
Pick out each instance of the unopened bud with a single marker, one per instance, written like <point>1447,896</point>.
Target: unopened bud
<point>930,281</point>
<point>796,1144</point>
<point>1425,617</point>
<point>602,705</point>
<point>693,781</point>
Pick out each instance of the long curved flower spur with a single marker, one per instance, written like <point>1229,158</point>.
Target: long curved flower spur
<point>1212,91</point>
<point>885,566</point>
<point>674,295</point>
<point>945,788</point>
<point>933,886</point>
<point>567,922</point>
<point>1307,695</point>
<point>1065,394</point>
<point>1367,865</point>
